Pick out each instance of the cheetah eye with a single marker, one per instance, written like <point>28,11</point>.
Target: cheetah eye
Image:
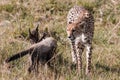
<point>81,23</point>
<point>82,26</point>
<point>70,22</point>
<point>73,30</point>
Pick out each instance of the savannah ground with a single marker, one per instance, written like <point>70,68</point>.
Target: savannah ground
<point>17,16</point>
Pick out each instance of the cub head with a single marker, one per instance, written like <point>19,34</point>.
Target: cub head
<point>34,35</point>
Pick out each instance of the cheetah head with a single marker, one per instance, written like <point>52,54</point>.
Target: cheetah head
<point>76,28</point>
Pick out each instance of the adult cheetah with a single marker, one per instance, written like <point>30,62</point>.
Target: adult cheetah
<point>80,30</point>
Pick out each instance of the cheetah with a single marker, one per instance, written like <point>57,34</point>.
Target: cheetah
<point>80,30</point>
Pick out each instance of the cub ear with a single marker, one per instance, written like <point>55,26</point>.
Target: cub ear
<point>37,27</point>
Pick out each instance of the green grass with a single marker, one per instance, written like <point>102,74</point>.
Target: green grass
<point>51,14</point>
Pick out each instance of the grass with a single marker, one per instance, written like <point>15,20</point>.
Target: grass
<point>16,16</point>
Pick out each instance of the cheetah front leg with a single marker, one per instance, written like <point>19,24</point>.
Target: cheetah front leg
<point>88,58</point>
<point>74,55</point>
<point>79,51</point>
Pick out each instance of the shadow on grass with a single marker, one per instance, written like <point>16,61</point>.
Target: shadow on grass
<point>107,68</point>
<point>61,62</point>
<point>61,66</point>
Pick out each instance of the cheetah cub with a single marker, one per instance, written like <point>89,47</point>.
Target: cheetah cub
<point>80,30</point>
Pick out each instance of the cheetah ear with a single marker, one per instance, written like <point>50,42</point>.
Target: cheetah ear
<point>86,14</point>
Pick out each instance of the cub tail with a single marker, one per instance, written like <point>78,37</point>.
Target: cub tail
<point>18,55</point>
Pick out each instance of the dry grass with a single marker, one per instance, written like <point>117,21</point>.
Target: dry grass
<point>16,16</point>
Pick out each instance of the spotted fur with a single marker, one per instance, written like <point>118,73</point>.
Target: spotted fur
<point>80,30</point>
